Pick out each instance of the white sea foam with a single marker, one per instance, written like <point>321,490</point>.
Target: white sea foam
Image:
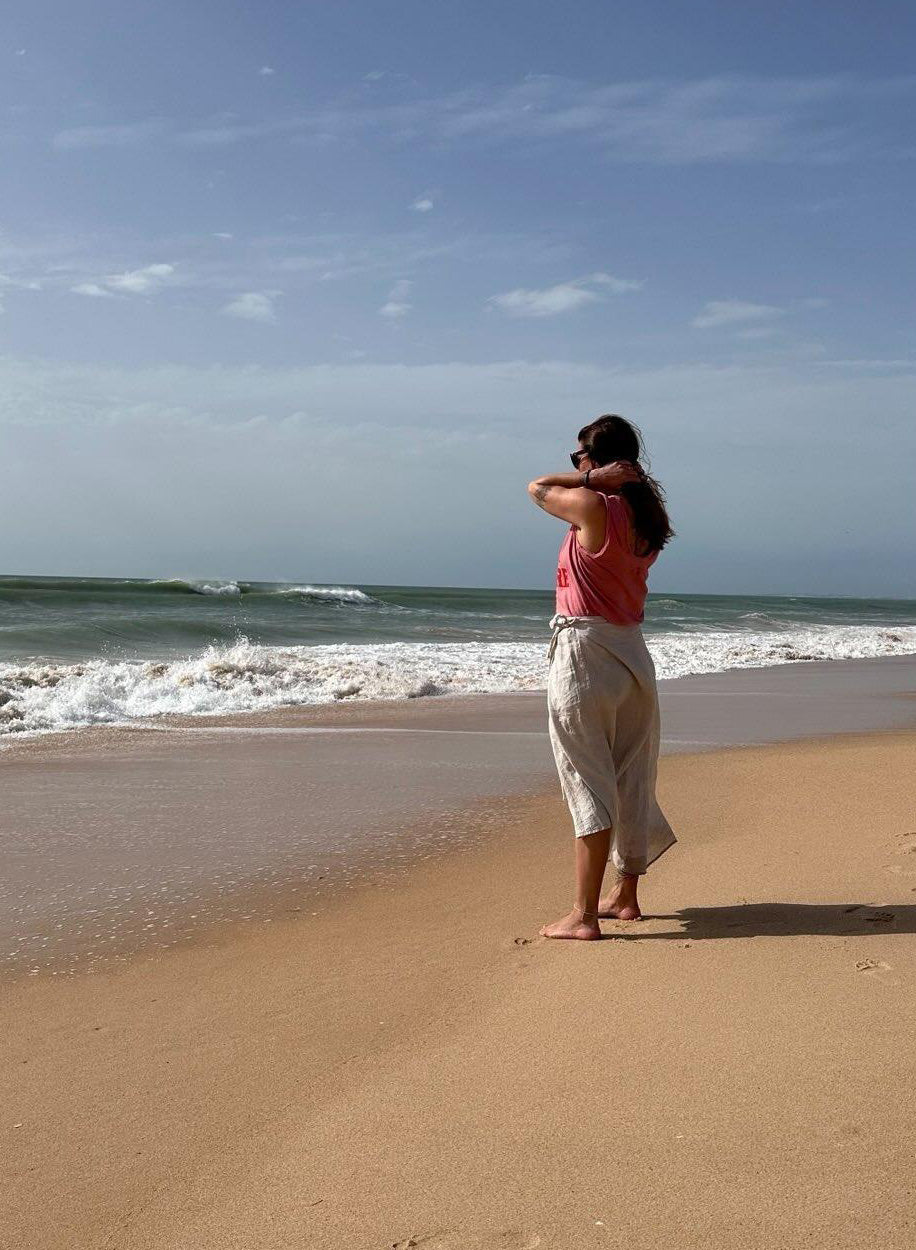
<point>223,590</point>
<point>249,677</point>
<point>233,590</point>
<point>715,651</point>
<point>327,594</point>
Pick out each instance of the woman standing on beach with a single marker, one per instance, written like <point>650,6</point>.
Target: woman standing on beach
<point>601,694</point>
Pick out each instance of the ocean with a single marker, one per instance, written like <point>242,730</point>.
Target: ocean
<point>122,651</point>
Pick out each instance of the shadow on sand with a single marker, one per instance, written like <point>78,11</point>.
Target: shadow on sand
<point>775,920</point>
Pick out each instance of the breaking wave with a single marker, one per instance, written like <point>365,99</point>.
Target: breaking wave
<point>249,677</point>
<point>234,590</point>
<point>326,594</point>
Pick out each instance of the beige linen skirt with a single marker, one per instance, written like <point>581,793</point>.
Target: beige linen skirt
<point>604,725</point>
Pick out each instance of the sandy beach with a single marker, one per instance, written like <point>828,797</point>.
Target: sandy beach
<point>395,1058</point>
<point>457,473</point>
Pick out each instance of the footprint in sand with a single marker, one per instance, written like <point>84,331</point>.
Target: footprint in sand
<point>906,845</point>
<point>442,1240</point>
<point>875,917</point>
<point>876,968</point>
<point>511,1239</point>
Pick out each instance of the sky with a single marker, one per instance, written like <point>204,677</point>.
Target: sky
<point>311,291</point>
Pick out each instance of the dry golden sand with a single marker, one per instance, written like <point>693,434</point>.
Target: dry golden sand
<point>414,1066</point>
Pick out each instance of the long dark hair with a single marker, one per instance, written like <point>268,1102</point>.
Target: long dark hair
<point>611,438</point>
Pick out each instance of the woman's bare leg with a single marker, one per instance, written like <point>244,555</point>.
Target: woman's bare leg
<point>592,852</point>
<point>621,903</point>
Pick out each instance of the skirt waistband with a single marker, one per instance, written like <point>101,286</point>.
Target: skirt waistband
<point>559,622</point>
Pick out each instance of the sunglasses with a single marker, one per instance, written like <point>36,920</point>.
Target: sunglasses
<point>577,456</point>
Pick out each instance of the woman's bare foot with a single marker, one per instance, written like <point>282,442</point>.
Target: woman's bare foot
<point>573,925</point>
<point>620,904</point>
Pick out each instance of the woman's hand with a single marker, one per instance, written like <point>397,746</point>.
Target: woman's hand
<point>610,477</point>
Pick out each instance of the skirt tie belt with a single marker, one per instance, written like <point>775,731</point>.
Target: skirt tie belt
<point>560,622</point>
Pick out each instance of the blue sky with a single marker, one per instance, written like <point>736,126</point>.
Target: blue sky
<point>311,291</point>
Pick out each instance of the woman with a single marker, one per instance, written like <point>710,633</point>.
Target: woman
<point>601,693</point>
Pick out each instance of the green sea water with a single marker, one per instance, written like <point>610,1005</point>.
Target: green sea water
<point>77,651</point>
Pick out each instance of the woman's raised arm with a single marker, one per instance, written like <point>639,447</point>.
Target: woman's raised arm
<point>565,495</point>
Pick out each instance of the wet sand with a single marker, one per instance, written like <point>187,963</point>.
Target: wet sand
<point>114,840</point>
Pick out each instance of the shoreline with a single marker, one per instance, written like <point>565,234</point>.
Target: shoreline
<point>14,741</point>
<point>409,1063</point>
<point>119,842</point>
<point>378,713</point>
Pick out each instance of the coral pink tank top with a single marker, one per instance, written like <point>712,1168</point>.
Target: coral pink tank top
<point>610,582</point>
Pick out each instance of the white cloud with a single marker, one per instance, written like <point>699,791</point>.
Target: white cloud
<point>333,257</point>
<point>221,132</point>
<point>546,303</point>
<point>266,71</point>
<point>253,306</point>
<point>469,393</point>
<point>423,204</point>
<point>390,75</point>
<point>728,312</point>
<point>204,262</point>
<point>725,118</point>
<point>93,289</point>
<point>562,298</point>
<point>24,284</point>
<point>394,309</point>
<point>616,286</point>
<point>131,281</point>
<point>902,364</point>
<point>753,333</point>
<point>141,281</point>
<point>115,136</point>
<point>657,121</point>
<point>396,305</point>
